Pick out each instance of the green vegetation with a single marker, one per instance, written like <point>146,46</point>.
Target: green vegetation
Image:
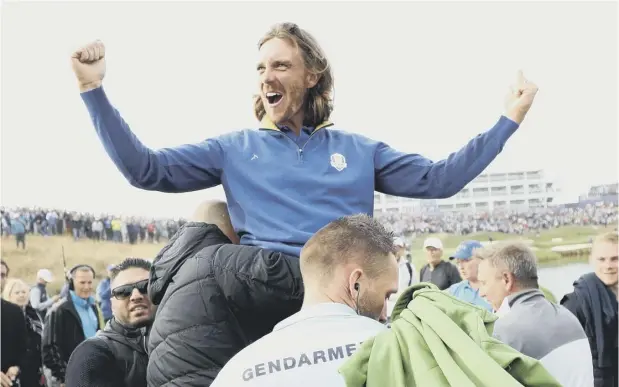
<point>542,244</point>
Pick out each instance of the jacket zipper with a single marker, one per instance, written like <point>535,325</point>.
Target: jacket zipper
<point>301,149</point>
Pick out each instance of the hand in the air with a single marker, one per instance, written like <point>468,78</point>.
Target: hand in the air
<point>89,65</point>
<point>519,100</point>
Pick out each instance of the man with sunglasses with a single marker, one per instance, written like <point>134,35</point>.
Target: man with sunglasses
<point>117,355</point>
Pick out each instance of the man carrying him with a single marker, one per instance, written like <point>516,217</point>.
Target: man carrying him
<point>528,322</point>
<point>294,152</point>
<point>467,263</point>
<point>117,356</point>
<point>349,269</point>
<point>438,272</point>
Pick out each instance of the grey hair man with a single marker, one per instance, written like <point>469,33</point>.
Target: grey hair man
<point>349,269</point>
<point>528,322</point>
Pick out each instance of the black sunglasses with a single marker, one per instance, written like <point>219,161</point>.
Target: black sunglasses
<point>124,291</point>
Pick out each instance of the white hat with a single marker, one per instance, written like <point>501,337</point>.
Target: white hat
<point>433,242</point>
<point>398,242</point>
<point>45,275</point>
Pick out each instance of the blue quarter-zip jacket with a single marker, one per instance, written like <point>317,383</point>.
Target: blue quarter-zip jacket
<point>279,190</point>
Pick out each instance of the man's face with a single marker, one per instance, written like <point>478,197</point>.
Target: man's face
<point>282,71</point>
<point>130,303</point>
<point>373,301</point>
<point>4,273</point>
<point>604,260</point>
<point>433,254</point>
<point>82,282</point>
<point>492,286</point>
<point>468,268</point>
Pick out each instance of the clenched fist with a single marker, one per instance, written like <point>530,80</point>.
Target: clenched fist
<point>520,99</point>
<point>89,65</point>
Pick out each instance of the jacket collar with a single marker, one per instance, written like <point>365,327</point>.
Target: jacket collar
<point>123,330</point>
<point>323,309</point>
<point>518,298</point>
<point>266,123</point>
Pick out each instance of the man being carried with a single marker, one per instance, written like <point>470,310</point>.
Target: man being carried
<point>291,177</point>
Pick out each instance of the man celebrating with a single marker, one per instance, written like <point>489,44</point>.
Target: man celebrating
<point>318,174</point>
<point>295,150</point>
<point>117,355</point>
<point>349,269</point>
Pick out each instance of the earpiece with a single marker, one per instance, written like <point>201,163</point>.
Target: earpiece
<point>357,286</point>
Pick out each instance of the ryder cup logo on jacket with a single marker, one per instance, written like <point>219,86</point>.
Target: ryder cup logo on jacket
<point>338,161</point>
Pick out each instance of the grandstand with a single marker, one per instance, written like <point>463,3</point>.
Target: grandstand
<point>519,191</point>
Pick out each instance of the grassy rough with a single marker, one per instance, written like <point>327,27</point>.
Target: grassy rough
<point>44,252</point>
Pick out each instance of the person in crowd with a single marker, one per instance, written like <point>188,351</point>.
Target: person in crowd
<point>13,334</point>
<point>294,106</point>
<point>117,356</point>
<point>104,295</point>
<point>38,294</point>
<point>437,271</point>
<point>18,228</point>
<point>349,269</point>
<point>17,292</point>
<point>70,321</point>
<point>528,322</point>
<point>467,263</point>
<point>407,273</point>
<point>594,303</point>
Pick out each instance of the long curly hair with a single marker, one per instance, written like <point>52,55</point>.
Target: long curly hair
<point>318,104</point>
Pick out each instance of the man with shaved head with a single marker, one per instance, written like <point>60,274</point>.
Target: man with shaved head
<point>216,212</point>
<point>212,301</point>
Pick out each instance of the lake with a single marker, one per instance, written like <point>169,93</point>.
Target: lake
<point>559,277</point>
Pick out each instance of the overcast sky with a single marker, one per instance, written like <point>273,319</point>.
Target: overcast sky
<point>423,77</point>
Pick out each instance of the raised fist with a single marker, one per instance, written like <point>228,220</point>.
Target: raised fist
<point>520,98</point>
<point>89,65</point>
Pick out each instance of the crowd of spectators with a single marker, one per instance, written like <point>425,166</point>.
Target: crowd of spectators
<point>132,230</point>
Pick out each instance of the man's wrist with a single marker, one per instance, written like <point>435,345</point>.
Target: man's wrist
<point>517,117</point>
<point>84,87</point>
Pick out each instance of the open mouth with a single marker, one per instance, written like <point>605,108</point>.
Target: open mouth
<point>274,98</point>
<point>138,309</point>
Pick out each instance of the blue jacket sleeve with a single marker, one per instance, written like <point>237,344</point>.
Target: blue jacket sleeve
<point>414,176</point>
<point>181,169</point>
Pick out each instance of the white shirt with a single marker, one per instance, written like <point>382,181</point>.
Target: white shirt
<point>403,283</point>
<point>306,349</point>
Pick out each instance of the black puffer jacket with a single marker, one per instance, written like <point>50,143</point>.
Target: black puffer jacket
<point>214,298</point>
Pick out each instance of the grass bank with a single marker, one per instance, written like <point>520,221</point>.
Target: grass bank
<point>46,252</point>
<point>42,252</point>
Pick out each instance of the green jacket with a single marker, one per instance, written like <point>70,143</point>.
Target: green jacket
<point>437,340</point>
